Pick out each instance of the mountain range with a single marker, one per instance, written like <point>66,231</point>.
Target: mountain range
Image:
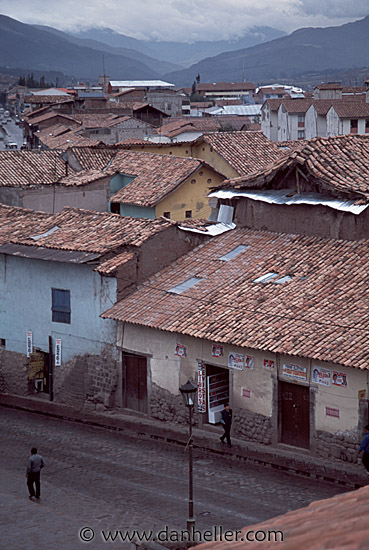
<point>88,54</point>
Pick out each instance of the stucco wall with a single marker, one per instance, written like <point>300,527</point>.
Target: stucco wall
<point>205,152</point>
<point>191,195</point>
<point>319,221</point>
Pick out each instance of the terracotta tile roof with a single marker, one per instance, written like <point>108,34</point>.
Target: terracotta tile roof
<point>322,312</point>
<point>195,124</point>
<point>225,86</point>
<point>244,151</point>
<point>93,158</point>
<point>329,86</point>
<point>297,106</point>
<point>273,104</point>
<point>13,220</point>
<point>110,266</point>
<point>29,168</point>
<point>81,230</point>
<point>54,114</point>
<point>339,164</point>
<point>352,109</point>
<point>338,523</point>
<point>155,176</point>
<point>63,137</point>
<point>103,120</point>
<point>83,178</point>
<point>47,99</point>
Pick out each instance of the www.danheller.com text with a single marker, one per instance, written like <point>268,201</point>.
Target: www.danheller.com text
<point>217,532</point>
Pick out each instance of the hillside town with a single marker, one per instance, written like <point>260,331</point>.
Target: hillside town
<point>152,234</point>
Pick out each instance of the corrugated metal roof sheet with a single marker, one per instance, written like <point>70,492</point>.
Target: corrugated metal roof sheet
<point>283,196</point>
<point>49,254</point>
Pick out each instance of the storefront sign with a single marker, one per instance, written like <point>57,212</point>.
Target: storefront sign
<point>268,364</point>
<point>245,392</point>
<point>339,379</point>
<point>36,365</point>
<point>294,371</point>
<point>180,351</point>
<point>329,411</point>
<point>321,376</point>
<point>249,362</point>
<point>201,387</point>
<point>29,343</point>
<point>235,361</point>
<point>217,351</point>
<point>58,352</point>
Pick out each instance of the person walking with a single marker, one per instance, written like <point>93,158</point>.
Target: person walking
<point>365,447</point>
<point>226,420</point>
<point>34,465</point>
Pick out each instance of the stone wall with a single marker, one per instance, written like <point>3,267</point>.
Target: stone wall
<point>251,426</point>
<point>342,446</point>
<point>14,373</point>
<point>168,407</point>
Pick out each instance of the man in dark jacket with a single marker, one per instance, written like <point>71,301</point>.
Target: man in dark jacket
<point>226,420</point>
<point>365,447</point>
<point>34,465</point>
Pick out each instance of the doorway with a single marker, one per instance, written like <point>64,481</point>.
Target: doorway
<point>134,382</point>
<point>294,414</point>
<point>217,382</point>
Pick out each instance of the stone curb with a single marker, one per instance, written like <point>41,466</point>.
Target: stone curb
<point>281,458</point>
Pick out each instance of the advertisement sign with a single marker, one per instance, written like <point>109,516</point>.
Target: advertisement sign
<point>294,371</point>
<point>245,392</point>
<point>180,350</point>
<point>330,411</point>
<point>339,379</point>
<point>201,388</point>
<point>249,362</point>
<point>235,361</point>
<point>268,364</point>
<point>36,365</point>
<point>29,343</point>
<point>217,351</point>
<point>321,376</point>
<point>58,352</point>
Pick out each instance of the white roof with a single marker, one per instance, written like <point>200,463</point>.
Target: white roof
<point>239,110</point>
<point>283,196</point>
<point>140,84</point>
<point>50,91</point>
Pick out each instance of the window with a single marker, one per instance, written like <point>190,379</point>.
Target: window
<point>188,213</point>
<point>367,126</point>
<point>301,134</point>
<point>353,126</point>
<point>233,253</point>
<point>301,121</point>
<point>2,342</point>
<point>166,215</point>
<point>60,305</point>
<point>265,278</point>
<point>115,207</point>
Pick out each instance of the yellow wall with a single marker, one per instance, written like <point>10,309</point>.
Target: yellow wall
<point>191,195</point>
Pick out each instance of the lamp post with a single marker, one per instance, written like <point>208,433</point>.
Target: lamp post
<point>188,392</point>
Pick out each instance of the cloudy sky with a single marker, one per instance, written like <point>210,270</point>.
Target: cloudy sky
<point>185,20</point>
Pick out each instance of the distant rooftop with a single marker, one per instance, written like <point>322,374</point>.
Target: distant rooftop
<point>140,84</point>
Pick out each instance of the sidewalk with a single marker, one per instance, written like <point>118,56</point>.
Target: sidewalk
<point>285,458</point>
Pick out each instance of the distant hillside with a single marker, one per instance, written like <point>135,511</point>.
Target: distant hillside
<point>309,49</point>
<point>161,67</point>
<point>181,53</point>
<point>35,49</point>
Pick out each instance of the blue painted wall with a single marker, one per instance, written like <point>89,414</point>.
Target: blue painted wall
<point>137,211</point>
<point>25,304</point>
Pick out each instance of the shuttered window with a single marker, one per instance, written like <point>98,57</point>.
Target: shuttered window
<point>60,305</point>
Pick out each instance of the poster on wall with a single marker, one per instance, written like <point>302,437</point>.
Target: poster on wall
<point>268,364</point>
<point>294,371</point>
<point>330,411</point>
<point>217,351</point>
<point>58,352</point>
<point>201,387</point>
<point>249,362</point>
<point>245,392</point>
<point>180,350</point>
<point>235,361</point>
<point>36,368</point>
<point>339,379</point>
<point>29,343</point>
<point>321,376</point>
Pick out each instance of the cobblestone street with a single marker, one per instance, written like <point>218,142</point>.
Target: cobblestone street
<point>107,481</point>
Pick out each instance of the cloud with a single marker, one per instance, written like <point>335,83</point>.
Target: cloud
<point>184,20</point>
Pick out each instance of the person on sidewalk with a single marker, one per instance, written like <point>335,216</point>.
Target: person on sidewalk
<point>34,465</point>
<point>226,420</point>
<point>365,447</point>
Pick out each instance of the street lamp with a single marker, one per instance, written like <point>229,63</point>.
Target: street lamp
<point>188,392</point>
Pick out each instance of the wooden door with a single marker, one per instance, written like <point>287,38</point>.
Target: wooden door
<point>295,414</point>
<point>135,382</point>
